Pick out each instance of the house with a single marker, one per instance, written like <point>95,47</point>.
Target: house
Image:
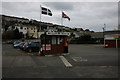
<point>11,18</point>
<point>2,30</point>
<point>112,39</point>
<point>79,29</point>
<point>97,35</point>
<point>22,29</point>
<point>32,31</point>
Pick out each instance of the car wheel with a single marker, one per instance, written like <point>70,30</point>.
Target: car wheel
<point>29,50</point>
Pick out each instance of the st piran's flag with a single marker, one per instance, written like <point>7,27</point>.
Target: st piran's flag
<point>46,11</point>
<point>65,16</point>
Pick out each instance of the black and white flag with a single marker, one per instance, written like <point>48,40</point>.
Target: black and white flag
<point>46,11</point>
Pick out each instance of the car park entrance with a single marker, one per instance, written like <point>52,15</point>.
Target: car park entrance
<point>54,42</point>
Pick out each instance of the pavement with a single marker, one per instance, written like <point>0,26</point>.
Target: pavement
<point>88,61</point>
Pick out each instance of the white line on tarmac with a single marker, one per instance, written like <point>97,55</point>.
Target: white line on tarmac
<point>74,59</point>
<point>67,64</point>
<point>79,59</point>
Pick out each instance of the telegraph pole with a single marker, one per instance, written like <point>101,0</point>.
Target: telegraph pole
<point>104,28</point>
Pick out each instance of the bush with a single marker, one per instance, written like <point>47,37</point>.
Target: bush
<point>8,35</point>
<point>12,34</point>
<point>86,39</point>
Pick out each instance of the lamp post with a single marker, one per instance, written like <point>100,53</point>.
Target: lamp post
<point>104,33</point>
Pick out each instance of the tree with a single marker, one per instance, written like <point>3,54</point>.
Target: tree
<point>16,34</point>
<point>6,24</point>
<point>8,35</point>
<point>86,37</point>
<point>27,36</point>
<point>21,35</point>
<point>72,35</point>
<point>87,30</point>
<point>81,29</point>
<point>13,27</point>
<point>30,22</point>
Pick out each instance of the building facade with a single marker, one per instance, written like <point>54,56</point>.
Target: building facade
<point>112,39</point>
<point>32,32</point>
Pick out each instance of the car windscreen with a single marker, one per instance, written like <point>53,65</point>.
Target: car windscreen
<point>16,42</point>
<point>35,44</point>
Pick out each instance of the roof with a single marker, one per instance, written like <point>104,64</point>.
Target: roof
<point>113,32</point>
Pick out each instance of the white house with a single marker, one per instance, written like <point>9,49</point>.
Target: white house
<point>22,29</point>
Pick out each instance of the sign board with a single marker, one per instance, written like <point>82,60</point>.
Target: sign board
<point>116,37</point>
<point>112,36</point>
<point>46,47</point>
<point>58,33</point>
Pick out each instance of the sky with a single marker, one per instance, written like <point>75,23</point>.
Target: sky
<point>86,15</point>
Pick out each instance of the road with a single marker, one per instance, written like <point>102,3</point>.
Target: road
<point>88,61</point>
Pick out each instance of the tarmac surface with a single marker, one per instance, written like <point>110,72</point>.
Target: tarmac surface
<point>88,61</point>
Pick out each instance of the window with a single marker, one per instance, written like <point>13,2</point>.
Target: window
<point>46,40</point>
<point>31,28</point>
<point>58,40</point>
<point>53,40</point>
<point>33,44</point>
<point>25,28</point>
<point>21,27</point>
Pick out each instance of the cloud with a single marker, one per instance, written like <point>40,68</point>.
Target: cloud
<point>91,15</point>
<point>60,5</point>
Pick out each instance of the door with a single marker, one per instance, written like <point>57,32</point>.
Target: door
<point>54,44</point>
<point>57,45</point>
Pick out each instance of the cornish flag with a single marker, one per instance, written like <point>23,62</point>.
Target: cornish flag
<point>65,16</point>
<point>46,11</point>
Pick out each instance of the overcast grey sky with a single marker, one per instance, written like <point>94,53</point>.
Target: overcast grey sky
<point>86,15</point>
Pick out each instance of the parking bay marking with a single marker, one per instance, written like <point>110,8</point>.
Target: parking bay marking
<point>79,59</point>
<point>67,64</point>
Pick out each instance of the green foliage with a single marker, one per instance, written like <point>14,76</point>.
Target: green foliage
<point>8,35</point>
<point>13,34</point>
<point>86,39</point>
<point>6,24</point>
<point>72,35</point>
<point>16,34</point>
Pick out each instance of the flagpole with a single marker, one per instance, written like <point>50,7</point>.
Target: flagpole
<point>40,30</point>
<point>62,20</point>
<point>40,13</point>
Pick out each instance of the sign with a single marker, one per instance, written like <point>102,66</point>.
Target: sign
<point>46,47</point>
<point>116,37</point>
<point>58,33</point>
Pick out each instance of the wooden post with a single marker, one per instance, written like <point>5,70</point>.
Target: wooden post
<point>116,43</point>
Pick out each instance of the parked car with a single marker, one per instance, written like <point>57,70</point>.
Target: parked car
<point>21,46</point>
<point>17,45</point>
<point>32,46</point>
<point>9,42</point>
<point>16,42</point>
